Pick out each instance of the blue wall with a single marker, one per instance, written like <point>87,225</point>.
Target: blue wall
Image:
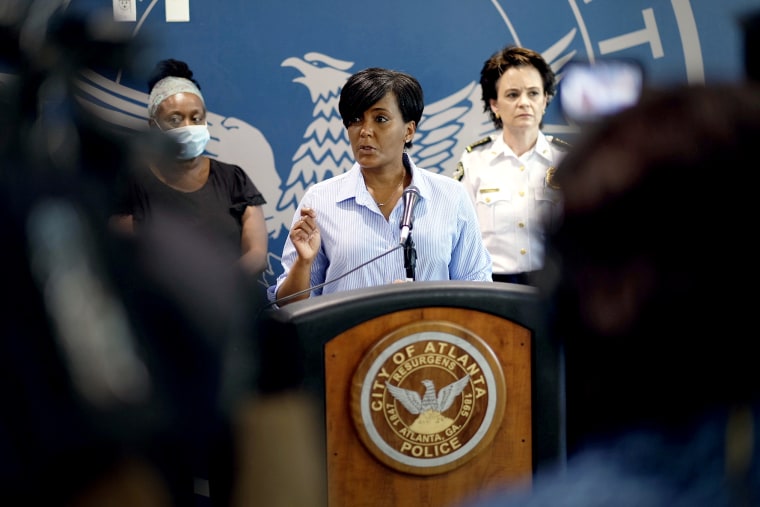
<point>271,69</point>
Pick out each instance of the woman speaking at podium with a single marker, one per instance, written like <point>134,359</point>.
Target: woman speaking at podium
<point>348,231</point>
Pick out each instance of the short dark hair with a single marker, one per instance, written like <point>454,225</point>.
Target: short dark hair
<point>508,57</point>
<point>367,86</point>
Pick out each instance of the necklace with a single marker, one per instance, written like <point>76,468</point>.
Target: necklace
<point>388,200</point>
<point>390,197</point>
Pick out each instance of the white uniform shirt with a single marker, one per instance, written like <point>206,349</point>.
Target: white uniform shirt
<point>513,198</point>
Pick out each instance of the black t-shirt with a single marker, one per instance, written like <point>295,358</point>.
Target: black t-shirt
<point>214,210</point>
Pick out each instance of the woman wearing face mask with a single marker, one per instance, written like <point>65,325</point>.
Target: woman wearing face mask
<point>215,199</point>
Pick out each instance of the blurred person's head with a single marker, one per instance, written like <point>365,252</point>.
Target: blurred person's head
<point>109,349</point>
<point>750,25</point>
<point>655,261</point>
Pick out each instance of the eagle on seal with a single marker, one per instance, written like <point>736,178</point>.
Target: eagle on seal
<point>430,401</point>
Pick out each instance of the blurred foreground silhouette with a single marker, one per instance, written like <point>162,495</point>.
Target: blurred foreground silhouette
<point>129,366</point>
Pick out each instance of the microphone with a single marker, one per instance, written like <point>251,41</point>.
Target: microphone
<point>326,282</point>
<point>411,196</point>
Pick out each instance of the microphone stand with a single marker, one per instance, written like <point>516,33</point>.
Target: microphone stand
<point>410,258</point>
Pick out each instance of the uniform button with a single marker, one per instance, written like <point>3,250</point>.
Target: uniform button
<point>488,199</point>
<point>520,224</point>
<point>522,168</point>
<point>523,251</point>
<point>522,194</point>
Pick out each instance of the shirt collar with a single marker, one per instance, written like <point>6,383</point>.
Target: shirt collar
<point>541,148</point>
<point>355,188</point>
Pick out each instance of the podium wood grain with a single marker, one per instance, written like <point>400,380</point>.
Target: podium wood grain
<point>356,478</point>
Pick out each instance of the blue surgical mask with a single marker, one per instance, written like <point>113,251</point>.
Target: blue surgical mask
<point>192,140</point>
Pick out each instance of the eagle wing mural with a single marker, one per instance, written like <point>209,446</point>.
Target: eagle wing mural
<point>447,127</point>
<point>115,103</point>
<point>325,150</point>
<point>557,55</point>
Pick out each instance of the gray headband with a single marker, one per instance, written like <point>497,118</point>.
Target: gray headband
<point>167,87</point>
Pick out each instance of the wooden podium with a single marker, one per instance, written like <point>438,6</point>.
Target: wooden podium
<point>432,391</point>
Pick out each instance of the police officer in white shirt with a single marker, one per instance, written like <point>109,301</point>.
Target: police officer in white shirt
<point>508,175</point>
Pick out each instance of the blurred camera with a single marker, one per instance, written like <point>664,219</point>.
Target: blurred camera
<point>589,91</point>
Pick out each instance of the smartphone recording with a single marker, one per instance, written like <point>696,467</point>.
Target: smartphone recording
<point>589,91</point>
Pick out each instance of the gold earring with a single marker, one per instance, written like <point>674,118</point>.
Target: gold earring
<point>497,115</point>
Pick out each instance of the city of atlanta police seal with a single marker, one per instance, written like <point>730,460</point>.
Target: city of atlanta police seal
<point>428,397</point>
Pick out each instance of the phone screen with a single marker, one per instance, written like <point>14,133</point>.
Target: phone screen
<point>590,91</point>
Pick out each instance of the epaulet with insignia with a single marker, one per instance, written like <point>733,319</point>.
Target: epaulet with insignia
<point>459,171</point>
<point>479,142</point>
<point>562,145</point>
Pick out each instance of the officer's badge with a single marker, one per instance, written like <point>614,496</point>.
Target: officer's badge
<point>549,178</point>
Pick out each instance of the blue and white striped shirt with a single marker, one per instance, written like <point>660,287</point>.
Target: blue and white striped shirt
<point>445,233</point>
